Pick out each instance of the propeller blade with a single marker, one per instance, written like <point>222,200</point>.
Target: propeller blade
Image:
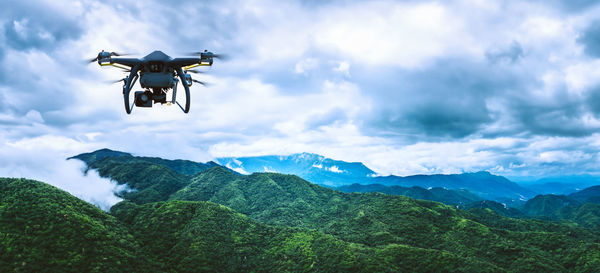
<point>92,60</point>
<point>203,83</point>
<point>195,71</point>
<point>113,82</point>
<point>119,54</point>
<point>221,56</point>
<point>213,55</point>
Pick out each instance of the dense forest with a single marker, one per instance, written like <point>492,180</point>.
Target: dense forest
<point>183,216</point>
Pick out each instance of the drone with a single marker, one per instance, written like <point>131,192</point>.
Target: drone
<point>158,73</point>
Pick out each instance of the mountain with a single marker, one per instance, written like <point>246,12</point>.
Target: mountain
<point>557,188</point>
<point>587,195</point>
<point>312,167</point>
<point>582,207</point>
<point>561,184</point>
<point>496,207</point>
<point>586,215</point>
<point>44,229</point>
<point>565,208</point>
<point>406,232</point>
<point>449,197</point>
<point>483,184</point>
<point>547,205</point>
<point>202,236</point>
<point>181,166</point>
<point>335,173</point>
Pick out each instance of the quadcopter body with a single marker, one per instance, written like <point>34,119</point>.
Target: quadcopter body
<point>158,74</point>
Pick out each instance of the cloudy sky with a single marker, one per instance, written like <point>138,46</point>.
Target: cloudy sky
<point>407,87</point>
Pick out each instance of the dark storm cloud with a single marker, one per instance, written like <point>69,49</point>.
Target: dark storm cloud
<point>328,118</point>
<point>590,39</point>
<point>39,28</point>
<point>448,99</point>
<point>511,54</point>
<point>572,5</point>
<point>593,101</point>
<point>36,25</point>
<point>29,32</point>
<point>564,119</point>
<point>561,114</point>
<point>567,6</point>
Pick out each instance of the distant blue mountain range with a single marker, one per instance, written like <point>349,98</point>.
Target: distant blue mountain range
<point>312,167</point>
<point>336,173</point>
<point>561,184</point>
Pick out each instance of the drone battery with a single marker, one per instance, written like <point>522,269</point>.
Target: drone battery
<point>143,99</point>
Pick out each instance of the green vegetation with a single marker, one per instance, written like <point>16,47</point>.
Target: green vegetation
<point>587,195</point>
<point>442,195</point>
<point>565,208</point>
<point>218,220</point>
<point>203,236</point>
<point>181,166</point>
<point>547,205</point>
<point>376,221</point>
<point>44,229</point>
<point>494,206</point>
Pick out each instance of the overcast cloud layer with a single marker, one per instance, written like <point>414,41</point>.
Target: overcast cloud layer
<point>407,87</point>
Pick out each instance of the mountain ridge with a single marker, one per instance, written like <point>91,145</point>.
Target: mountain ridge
<point>449,197</point>
<point>347,173</point>
<point>374,219</point>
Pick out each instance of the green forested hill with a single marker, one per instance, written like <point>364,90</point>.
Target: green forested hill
<point>565,208</point>
<point>181,166</point>
<point>499,208</point>
<point>389,224</point>
<point>186,236</point>
<point>446,196</point>
<point>587,195</point>
<point>546,205</point>
<point>44,229</point>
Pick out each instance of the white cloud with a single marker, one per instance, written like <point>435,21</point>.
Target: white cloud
<point>390,33</point>
<point>237,169</point>
<point>258,104</point>
<point>580,76</point>
<point>344,68</point>
<point>304,66</point>
<point>44,159</point>
<point>334,169</point>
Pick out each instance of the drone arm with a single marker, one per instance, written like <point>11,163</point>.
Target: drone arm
<point>188,63</point>
<point>125,61</point>
<point>115,65</point>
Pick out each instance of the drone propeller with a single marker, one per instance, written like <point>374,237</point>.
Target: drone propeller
<point>100,55</point>
<point>119,54</point>
<point>210,55</point>
<point>195,71</point>
<point>113,82</point>
<point>92,60</point>
<point>203,83</point>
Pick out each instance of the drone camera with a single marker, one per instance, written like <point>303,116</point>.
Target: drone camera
<point>143,99</point>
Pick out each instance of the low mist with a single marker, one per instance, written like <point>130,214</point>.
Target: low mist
<point>49,164</point>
